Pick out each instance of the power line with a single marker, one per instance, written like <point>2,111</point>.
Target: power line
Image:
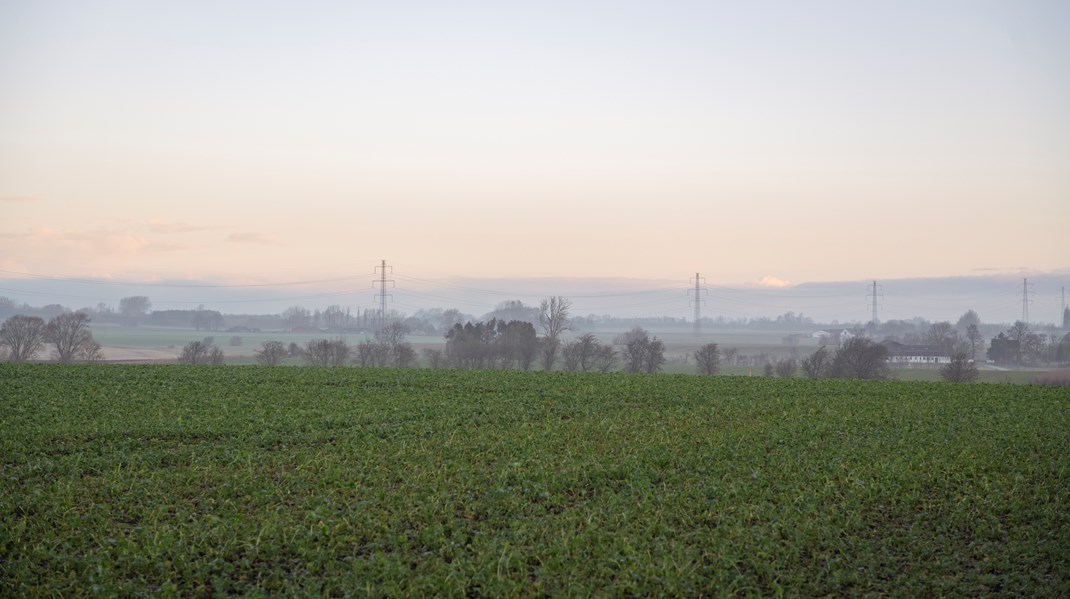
<point>873,293</point>
<point>382,291</point>
<point>1026,290</point>
<point>698,302</point>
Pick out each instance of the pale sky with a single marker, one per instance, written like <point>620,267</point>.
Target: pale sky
<point>777,141</point>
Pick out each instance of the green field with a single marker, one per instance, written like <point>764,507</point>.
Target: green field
<point>189,481</point>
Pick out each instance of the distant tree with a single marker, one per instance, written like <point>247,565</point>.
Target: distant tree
<point>296,317</point>
<point>1003,350</point>
<point>133,309</point>
<point>452,317</point>
<point>635,344</point>
<point>195,352</point>
<point>236,341</point>
<point>404,356</point>
<point>71,338</point>
<point>1017,333</point>
<point>435,358</point>
<point>818,365</point>
<point>1032,347</point>
<point>1066,318</point>
<point>769,370</point>
<point>294,350</point>
<point>215,356</point>
<point>23,335</point>
<point>730,355</point>
<point>335,318</point>
<point>860,358</point>
<point>372,354</point>
<point>327,352</point>
<point>655,356</point>
<point>973,335</point>
<point>270,353</point>
<point>1062,351</point>
<point>554,320</point>
<point>641,353</point>
<point>942,335</point>
<point>207,320</point>
<point>579,355</point>
<point>786,368</point>
<point>959,370</point>
<point>514,310</point>
<point>400,353</point>
<point>708,359</point>
<point>606,358</point>
<point>968,318</point>
<point>516,344</point>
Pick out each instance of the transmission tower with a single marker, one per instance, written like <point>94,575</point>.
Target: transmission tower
<point>873,295</point>
<point>382,269</point>
<point>1026,290</point>
<point>698,301</point>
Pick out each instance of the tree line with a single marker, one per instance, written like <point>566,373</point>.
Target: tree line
<point>68,334</point>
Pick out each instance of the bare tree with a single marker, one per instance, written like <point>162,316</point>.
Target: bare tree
<point>942,335</point>
<point>553,318</point>
<point>372,354</point>
<point>71,338</point>
<point>580,355</point>
<point>641,352</point>
<point>327,352</point>
<point>605,359</point>
<point>296,317</point>
<point>959,370</point>
<point>730,355</point>
<point>818,364</point>
<point>786,368</point>
<point>271,353</point>
<point>133,309</point>
<point>195,352</point>
<point>860,358</point>
<point>655,356</point>
<point>215,356</point>
<point>400,353</point>
<point>435,357</point>
<point>1018,333</point>
<point>23,335</point>
<point>708,359</point>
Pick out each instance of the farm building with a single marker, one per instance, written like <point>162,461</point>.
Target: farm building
<point>900,354</point>
<point>832,335</point>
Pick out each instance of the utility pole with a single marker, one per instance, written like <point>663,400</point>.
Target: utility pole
<point>1025,300</point>
<point>698,302</point>
<point>874,295</point>
<point>382,291</point>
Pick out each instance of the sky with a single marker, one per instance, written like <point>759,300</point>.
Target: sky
<point>759,143</point>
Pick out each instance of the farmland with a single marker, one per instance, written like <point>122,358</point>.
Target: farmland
<point>143,479</point>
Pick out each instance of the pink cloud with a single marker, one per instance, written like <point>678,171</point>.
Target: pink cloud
<point>769,281</point>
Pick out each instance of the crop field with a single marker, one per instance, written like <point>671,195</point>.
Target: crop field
<point>194,481</point>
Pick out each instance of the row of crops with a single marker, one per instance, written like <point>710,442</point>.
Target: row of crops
<point>190,481</point>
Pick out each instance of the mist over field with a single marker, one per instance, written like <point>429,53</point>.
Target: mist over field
<point>996,298</point>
